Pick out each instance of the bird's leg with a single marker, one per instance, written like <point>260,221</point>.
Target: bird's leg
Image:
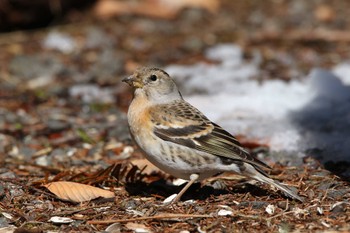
<point>193,178</point>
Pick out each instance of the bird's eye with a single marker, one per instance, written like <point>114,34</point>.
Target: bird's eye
<point>153,77</point>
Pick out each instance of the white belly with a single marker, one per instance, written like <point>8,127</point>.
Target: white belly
<point>179,161</point>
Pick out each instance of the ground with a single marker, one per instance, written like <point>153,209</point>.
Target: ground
<point>63,118</point>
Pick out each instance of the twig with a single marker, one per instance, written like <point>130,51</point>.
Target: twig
<point>246,216</point>
<point>165,216</point>
<point>69,212</point>
<point>289,212</point>
<point>281,214</point>
<point>168,216</point>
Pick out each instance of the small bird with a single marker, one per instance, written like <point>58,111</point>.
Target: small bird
<point>182,141</point>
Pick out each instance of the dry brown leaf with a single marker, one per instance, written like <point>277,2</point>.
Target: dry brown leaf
<point>325,13</point>
<point>209,5</point>
<point>166,9</point>
<point>77,192</point>
<point>137,227</point>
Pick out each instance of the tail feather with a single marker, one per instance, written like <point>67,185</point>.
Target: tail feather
<point>254,173</point>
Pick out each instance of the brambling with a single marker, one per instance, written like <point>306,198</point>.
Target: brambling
<point>182,141</point>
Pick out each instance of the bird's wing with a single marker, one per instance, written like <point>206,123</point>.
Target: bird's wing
<point>183,124</point>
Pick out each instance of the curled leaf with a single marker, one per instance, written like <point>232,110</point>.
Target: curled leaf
<point>77,192</point>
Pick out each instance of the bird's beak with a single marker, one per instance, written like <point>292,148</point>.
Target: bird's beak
<point>133,81</point>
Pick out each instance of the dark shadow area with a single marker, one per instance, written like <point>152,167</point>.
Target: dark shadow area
<point>164,189</point>
<point>196,191</point>
<point>19,14</point>
<point>325,123</point>
<point>340,168</point>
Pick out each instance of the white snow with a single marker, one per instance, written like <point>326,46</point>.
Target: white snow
<point>288,116</point>
<point>342,70</point>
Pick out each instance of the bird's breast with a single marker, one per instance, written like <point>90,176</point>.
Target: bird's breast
<point>140,124</point>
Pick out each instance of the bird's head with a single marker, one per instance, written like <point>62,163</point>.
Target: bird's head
<point>154,83</point>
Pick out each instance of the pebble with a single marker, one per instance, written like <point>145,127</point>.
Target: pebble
<point>3,222</point>
<point>253,204</point>
<point>59,41</point>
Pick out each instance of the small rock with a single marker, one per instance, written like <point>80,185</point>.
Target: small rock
<point>179,182</point>
<point>326,185</point>
<point>44,160</point>
<point>129,204</point>
<point>60,41</point>
<point>28,67</point>
<point>97,38</point>
<point>270,209</point>
<point>107,66</point>
<point>223,212</point>
<point>3,222</point>
<point>339,207</point>
<point>22,153</point>
<point>283,205</point>
<point>8,175</point>
<point>57,125</point>
<point>61,220</point>
<point>253,204</point>
<point>60,155</point>
<point>319,210</point>
<point>169,199</point>
<point>336,194</point>
<point>15,191</point>
<point>90,93</point>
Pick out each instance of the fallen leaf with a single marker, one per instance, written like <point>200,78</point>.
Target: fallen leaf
<point>113,228</point>
<point>325,13</point>
<point>77,192</point>
<point>209,5</point>
<point>166,9</point>
<point>137,227</point>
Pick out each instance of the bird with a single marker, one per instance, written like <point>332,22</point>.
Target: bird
<point>180,140</point>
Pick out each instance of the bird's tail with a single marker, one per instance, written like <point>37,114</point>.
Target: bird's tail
<point>254,173</point>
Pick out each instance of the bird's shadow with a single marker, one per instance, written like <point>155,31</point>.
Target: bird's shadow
<point>324,123</point>
<point>162,189</point>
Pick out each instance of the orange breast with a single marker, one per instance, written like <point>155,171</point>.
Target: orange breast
<point>139,117</point>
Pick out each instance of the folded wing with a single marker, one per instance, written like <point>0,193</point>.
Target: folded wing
<point>185,125</point>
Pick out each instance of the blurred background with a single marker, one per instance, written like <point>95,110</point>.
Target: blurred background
<point>274,73</point>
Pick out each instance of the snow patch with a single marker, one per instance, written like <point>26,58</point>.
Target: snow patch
<point>288,116</point>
